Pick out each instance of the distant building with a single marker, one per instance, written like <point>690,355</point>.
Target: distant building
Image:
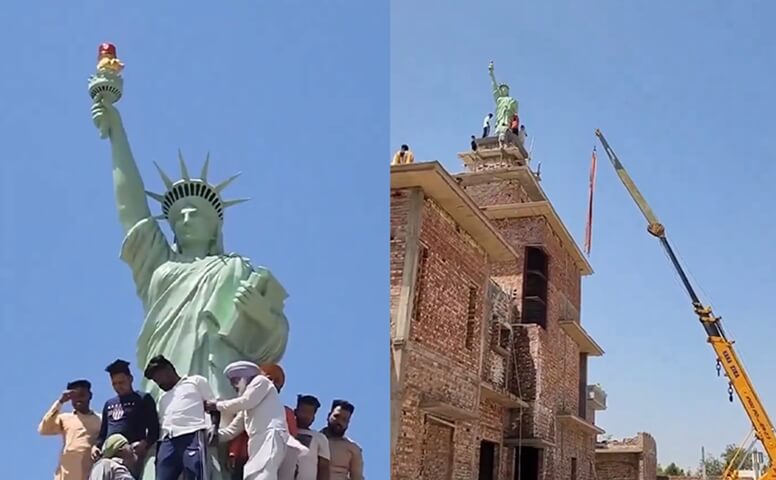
<point>627,459</point>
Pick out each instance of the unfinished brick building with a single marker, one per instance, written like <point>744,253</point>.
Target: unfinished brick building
<point>627,459</point>
<point>489,358</point>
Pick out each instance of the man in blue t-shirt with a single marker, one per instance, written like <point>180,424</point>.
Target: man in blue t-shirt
<point>130,413</point>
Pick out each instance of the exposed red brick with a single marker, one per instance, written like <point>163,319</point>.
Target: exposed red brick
<point>628,459</point>
<point>541,364</point>
<point>439,367</point>
<point>498,193</point>
<point>548,360</point>
<point>437,451</point>
<point>399,213</point>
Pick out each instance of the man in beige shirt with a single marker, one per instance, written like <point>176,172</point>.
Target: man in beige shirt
<point>403,157</point>
<point>347,460</point>
<point>78,430</point>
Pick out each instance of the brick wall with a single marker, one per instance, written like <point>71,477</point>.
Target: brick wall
<point>548,360</point>
<point>491,428</point>
<point>454,264</point>
<point>498,193</point>
<point>438,364</point>
<point>618,466</point>
<point>399,217</point>
<point>649,464</point>
<point>580,446</point>
<point>641,464</point>
<point>499,365</point>
<point>437,451</point>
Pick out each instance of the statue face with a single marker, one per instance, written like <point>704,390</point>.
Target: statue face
<point>504,90</point>
<point>194,225</point>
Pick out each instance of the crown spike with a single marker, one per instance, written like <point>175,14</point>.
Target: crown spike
<point>155,196</point>
<point>205,167</point>
<point>165,178</point>
<point>221,186</point>
<point>232,203</point>
<point>184,170</point>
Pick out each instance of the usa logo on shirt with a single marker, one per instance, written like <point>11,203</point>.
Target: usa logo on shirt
<point>118,412</point>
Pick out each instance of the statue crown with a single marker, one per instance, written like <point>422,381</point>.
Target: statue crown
<point>188,187</point>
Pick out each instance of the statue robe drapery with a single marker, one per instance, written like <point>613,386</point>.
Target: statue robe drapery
<point>190,316</point>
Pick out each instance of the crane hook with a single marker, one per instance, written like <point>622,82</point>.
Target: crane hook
<point>719,367</point>
<point>656,230</point>
<point>730,392</point>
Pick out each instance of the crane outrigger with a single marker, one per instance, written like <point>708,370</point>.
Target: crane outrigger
<point>727,359</point>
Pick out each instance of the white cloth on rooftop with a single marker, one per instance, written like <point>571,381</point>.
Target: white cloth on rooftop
<point>264,421</point>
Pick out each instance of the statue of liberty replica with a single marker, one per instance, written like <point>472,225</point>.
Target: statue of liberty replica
<point>204,308</point>
<point>506,108</point>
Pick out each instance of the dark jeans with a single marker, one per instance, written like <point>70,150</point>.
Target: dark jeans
<point>182,455</point>
<point>485,131</point>
<point>238,473</point>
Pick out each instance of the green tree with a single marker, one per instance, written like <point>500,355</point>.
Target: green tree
<point>714,466</point>
<point>730,453</point>
<point>672,469</point>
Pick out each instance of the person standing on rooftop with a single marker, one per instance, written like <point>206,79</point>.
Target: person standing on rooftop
<point>260,413</point>
<point>78,430</point>
<point>486,125</point>
<point>294,448</point>
<point>130,413</point>
<point>347,459</point>
<point>186,429</point>
<point>403,157</point>
<point>313,464</point>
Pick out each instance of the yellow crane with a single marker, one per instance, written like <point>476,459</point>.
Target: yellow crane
<point>740,384</point>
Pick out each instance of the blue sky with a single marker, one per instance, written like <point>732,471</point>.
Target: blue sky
<point>295,95</point>
<point>684,93</point>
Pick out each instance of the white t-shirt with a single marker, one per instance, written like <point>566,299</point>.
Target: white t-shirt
<point>181,409</point>
<point>317,446</point>
<point>486,122</point>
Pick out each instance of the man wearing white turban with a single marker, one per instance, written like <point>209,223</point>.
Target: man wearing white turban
<point>263,419</point>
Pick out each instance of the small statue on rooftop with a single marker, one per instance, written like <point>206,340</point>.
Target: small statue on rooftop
<point>506,106</point>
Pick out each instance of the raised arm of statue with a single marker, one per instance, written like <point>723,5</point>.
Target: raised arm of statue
<point>493,81</point>
<point>127,184</point>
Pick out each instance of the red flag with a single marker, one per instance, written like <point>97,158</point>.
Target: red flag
<point>589,225</point>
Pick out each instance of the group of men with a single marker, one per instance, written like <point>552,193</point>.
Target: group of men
<point>515,127</point>
<point>182,433</point>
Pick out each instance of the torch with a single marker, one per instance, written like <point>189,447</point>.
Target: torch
<point>106,85</point>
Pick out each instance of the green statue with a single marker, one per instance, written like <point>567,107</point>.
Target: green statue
<point>506,106</point>
<point>204,308</point>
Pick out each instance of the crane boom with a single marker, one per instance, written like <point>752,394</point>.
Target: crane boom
<point>723,348</point>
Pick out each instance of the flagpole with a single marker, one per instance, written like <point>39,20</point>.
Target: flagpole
<point>589,224</point>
